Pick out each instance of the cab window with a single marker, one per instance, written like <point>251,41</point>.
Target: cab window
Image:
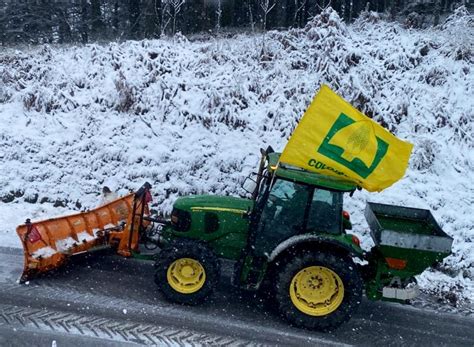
<point>325,211</point>
<point>283,213</point>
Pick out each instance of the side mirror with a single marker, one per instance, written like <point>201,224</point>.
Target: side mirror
<point>249,185</point>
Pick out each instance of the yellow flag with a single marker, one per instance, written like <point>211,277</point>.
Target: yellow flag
<point>335,139</point>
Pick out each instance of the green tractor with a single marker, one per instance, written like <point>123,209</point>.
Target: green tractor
<point>290,239</point>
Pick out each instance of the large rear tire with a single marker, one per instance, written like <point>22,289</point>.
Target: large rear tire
<point>318,290</point>
<point>187,272</point>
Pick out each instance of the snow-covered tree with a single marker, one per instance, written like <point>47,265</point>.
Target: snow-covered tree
<point>173,9</point>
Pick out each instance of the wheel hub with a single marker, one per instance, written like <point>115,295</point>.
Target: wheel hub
<point>186,275</point>
<point>187,271</point>
<point>316,291</point>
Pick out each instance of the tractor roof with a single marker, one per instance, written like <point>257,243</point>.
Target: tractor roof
<point>300,175</point>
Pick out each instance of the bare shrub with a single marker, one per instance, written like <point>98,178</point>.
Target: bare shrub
<point>4,95</point>
<point>437,76</point>
<point>328,18</point>
<point>424,154</point>
<point>29,101</point>
<point>414,20</point>
<point>126,94</point>
<point>369,17</point>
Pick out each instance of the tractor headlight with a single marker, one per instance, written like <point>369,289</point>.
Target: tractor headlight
<point>180,220</point>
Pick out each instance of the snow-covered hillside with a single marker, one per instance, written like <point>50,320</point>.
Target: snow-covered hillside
<point>190,118</point>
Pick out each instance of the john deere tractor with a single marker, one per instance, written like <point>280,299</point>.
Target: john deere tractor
<point>291,234</point>
<point>289,239</point>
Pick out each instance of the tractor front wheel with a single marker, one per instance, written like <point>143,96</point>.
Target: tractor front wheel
<point>187,272</point>
<point>318,290</point>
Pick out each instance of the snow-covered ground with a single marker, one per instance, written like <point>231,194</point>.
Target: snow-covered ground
<point>190,117</point>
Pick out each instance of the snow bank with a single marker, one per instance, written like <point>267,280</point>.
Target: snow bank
<point>190,116</point>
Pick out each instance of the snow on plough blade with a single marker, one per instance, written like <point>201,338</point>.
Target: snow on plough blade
<point>47,244</point>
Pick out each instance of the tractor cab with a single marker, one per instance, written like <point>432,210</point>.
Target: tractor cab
<point>291,201</point>
<point>280,182</point>
<point>290,208</point>
<point>293,207</point>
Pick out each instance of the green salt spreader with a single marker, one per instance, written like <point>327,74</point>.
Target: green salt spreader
<point>407,241</point>
<point>290,241</point>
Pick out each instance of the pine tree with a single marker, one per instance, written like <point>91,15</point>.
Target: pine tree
<point>134,19</point>
<point>84,21</point>
<point>97,26</point>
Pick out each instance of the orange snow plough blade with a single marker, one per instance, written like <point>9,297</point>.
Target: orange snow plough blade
<point>47,244</point>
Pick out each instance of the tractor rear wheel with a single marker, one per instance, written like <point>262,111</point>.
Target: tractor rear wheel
<point>187,272</point>
<point>318,290</point>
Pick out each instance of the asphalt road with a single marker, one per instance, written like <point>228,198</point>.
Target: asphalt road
<point>105,300</point>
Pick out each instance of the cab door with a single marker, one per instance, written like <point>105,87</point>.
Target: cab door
<point>283,215</point>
